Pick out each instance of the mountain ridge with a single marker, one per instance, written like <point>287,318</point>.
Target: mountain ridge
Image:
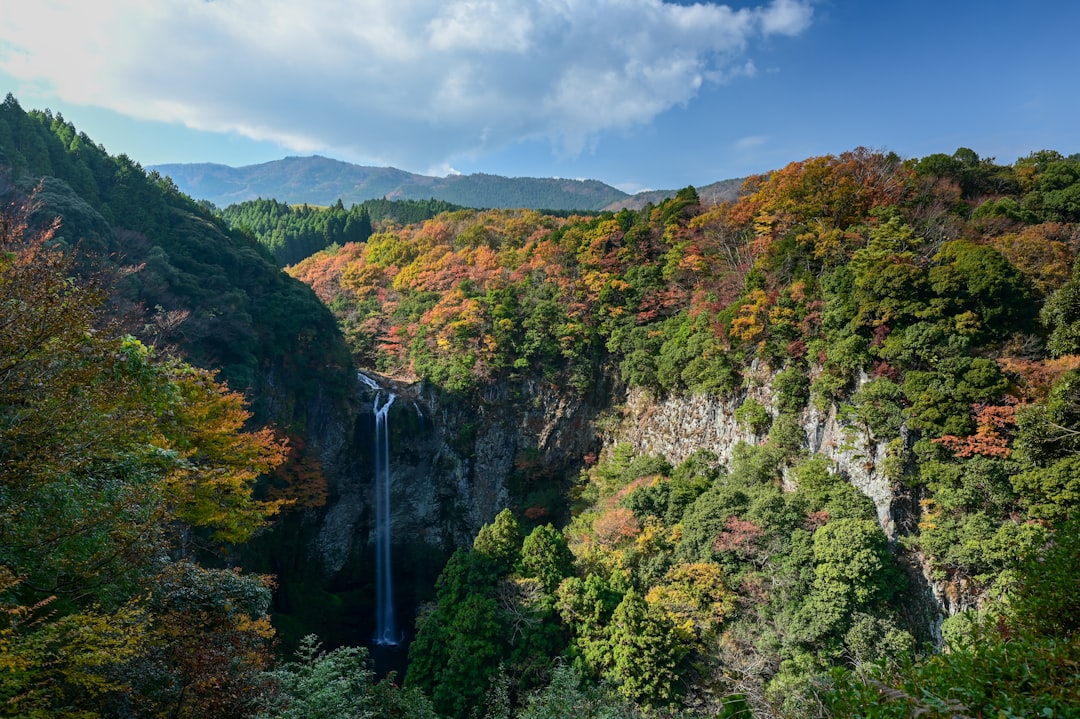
<point>322,181</point>
<point>318,180</point>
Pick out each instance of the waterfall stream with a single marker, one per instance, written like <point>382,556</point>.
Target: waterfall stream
<point>386,631</point>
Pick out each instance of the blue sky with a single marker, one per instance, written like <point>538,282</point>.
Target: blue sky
<point>636,93</point>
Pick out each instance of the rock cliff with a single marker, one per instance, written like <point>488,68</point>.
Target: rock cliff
<point>455,465</point>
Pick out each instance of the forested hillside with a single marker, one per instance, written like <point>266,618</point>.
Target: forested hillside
<point>187,281</point>
<point>928,303</point>
<point>292,233</point>
<point>129,471</point>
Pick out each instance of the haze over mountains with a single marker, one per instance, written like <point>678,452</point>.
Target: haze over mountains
<point>322,181</point>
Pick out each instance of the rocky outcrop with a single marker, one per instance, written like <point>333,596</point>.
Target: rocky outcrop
<point>454,463</point>
<point>677,426</point>
<point>454,467</point>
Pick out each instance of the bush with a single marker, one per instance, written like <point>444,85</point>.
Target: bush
<point>753,416</point>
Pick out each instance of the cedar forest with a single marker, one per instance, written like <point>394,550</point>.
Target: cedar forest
<point>933,304</point>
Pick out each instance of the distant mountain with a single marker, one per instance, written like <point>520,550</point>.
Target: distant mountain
<point>322,181</point>
<point>722,191</point>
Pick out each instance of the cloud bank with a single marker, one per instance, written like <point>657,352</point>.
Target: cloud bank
<point>411,83</point>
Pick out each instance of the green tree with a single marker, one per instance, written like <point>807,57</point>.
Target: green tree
<point>319,684</point>
<point>500,541</point>
<point>645,654</point>
<point>544,555</point>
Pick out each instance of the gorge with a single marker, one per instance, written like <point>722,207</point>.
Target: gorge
<point>695,458</point>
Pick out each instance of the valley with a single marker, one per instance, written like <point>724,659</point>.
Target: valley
<point>803,450</point>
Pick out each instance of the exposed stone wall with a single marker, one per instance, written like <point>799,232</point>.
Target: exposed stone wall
<point>677,426</point>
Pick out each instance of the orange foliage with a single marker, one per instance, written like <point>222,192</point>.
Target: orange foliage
<point>213,485</point>
<point>615,526</point>
<point>1032,379</point>
<point>823,195</point>
<point>991,438</point>
<point>324,271</point>
<point>536,512</point>
<point>300,480</point>
<point>1041,252</point>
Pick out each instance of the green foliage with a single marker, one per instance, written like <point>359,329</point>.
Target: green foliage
<point>486,617</point>
<point>293,233</point>
<point>456,649</point>
<point>545,556</point>
<point>499,541</point>
<point>706,518</point>
<point>692,357</point>
<point>645,654</point>
<point>318,684</point>
<point>878,407</point>
<point>941,399</point>
<point>995,678</point>
<point>1061,316</point>
<point>1045,599</point>
<point>826,491</point>
<point>890,285</point>
<point>753,416</point>
<point>567,696</point>
<point>985,294</point>
<point>1023,664</point>
<point>852,565</point>
<point>791,387</point>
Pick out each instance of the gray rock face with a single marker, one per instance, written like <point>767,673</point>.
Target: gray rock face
<point>451,464</point>
<point>677,426</point>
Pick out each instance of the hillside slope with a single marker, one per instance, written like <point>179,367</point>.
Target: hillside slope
<point>184,280</point>
<point>844,397</point>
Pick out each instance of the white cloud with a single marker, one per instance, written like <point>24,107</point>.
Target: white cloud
<point>750,142</point>
<point>413,83</point>
<point>786,17</point>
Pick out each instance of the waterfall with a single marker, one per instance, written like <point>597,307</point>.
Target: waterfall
<point>386,632</point>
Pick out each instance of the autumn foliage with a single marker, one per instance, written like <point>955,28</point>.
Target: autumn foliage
<point>109,454</point>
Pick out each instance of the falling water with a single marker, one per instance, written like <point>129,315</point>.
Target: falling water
<point>385,626</point>
<point>386,633</point>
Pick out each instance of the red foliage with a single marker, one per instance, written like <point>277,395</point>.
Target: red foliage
<point>536,512</point>
<point>886,370</point>
<point>739,536</point>
<point>817,519</point>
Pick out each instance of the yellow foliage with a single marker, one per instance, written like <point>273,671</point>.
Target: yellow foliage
<point>694,598</point>
<point>930,513</point>
<point>749,324</point>
<point>213,483</point>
